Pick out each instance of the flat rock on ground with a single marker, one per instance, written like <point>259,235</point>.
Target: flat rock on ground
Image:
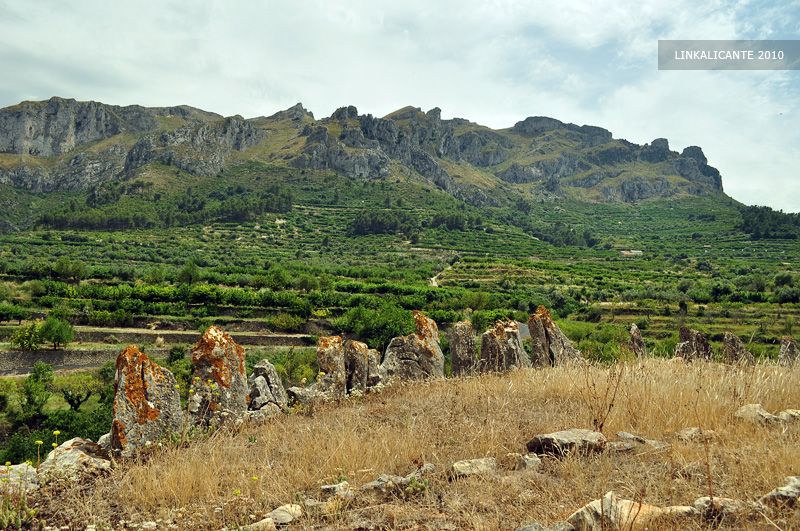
<point>561,442</point>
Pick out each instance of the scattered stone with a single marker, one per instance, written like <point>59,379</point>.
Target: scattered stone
<point>755,413</point>
<point>147,404</point>
<point>789,415</point>
<point>735,351</point>
<point>416,356</point>
<point>558,526</point>
<point>694,434</point>
<point>266,387</point>
<point>267,524</point>
<point>471,467</point>
<point>220,381</point>
<point>149,525</point>
<point>463,361</point>
<point>620,447</point>
<point>567,441</point>
<point>785,496</point>
<point>261,415</point>
<point>501,348</point>
<point>286,514</point>
<point>625,436</point>
<point>637,343</point>
<point>717,509</point>
<point>387,483</point>
<point>340,490</point>
<point>526,461</point>
<point>551,348</point>
<point>788,353</point>
<point>693,345</point>
<point>613,513</point>
<point>303,396</point>
<point>22,477</point>
<point>75,457</point>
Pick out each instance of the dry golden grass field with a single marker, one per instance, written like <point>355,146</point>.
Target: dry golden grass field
<point>233,478</point>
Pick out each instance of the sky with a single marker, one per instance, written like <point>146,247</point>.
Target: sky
<point>492,62</point>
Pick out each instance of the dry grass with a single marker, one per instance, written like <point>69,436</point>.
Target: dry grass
<point>209,483</point>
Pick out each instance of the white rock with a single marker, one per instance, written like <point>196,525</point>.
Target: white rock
<point>470,467</point>
<point>286,513</point>
<point>20,476</point>
<point>755,413</point>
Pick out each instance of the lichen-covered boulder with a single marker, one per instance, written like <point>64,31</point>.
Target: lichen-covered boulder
<point>462,349</point>
<point>551,348</point>
<point>415,356</point>
<point>356,358</point>
<point>638,347</point>
<point>147,405</point>
<point>374,374</point>
<point>74,457</point>
<point>330,358</point>
<point>693,345</point>
<point>735,351</point>
<point>501,348</point>
<point>266,387</point>
<point>788,353</point>
<point>219,385</point>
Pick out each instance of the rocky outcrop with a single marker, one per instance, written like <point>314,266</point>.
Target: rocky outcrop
<point>483,147</point>
<point>638,348</point>
<point>147,405</point>
<point>296,114</point>
<point>416,356</point>
<point>692,166</point>
<point>693,345</point>
<point>219,385</point>
<point>543,170</point>
<point>463,361</point>
<point>634,189</point>
<point>551,348</point>
<point>788,354</point>
<point>735,351</point>
<point>266,389</point>
<point>74,458</point>
<point>501,348</point>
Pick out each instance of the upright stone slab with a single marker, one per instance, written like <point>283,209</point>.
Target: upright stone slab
<point>415,356</point>
<point>788,353</point>
<point>356,359</point>
<point>735,351</point>
<point>501,348</point>
<point>147,404</point>
<point>266,387</point>
<point>462,349</point>
<point>637,343</point>
<point>693,345</point>
<point>551,348</point>
<point>219,385</point>
<point>374,374</point>
<point>330,358</point>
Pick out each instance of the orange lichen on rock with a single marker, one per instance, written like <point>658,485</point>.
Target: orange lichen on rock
<point>543,314</point>
<point>426,327</point>
<point>221,353</point>
<point>133,364</point>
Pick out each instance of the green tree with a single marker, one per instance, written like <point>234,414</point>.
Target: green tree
<point>78,388</point>
<point>155,276</point>
<point>27,337</point>
<point>56,331</point>
<point>189,274</point>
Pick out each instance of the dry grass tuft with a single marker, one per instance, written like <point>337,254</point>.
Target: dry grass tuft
<point>210,484</point>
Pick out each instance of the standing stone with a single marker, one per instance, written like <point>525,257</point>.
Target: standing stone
<point>219,387</point>
<point>551,348</point>
<point>415,356</point>
<point>375,376</point>
<point>147,405</point>
<point>356,358</point>
<point>266,387</point>
<point>735,351</point>
<point>330,358</point>
<point>788,353</point>
<point>637,343</point>
<point>693,345</point>
<point>501,348</point>
<point>462,349</point>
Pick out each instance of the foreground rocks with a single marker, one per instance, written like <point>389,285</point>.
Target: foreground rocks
<point>147,404</point>
<point>219,387</point>
<point>415,356</point>
<point>692,345</point>
<point>551,348</point>
<point>756,413</point>
<point>501,348</point>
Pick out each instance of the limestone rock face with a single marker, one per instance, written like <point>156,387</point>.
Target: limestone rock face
<point>147,405</point>
<point>551,348</point>
<point>501,348</point>
<point>219,386</point>
<point>462,349</point>
<point>693,345</point>
<point>561,442</point>
<point>265,387</point>
<point>788,353</point>
<point>74,457</point>
<point>637,343</point>
<point>415,356</point>
<point>735,351</point>
<point>330,358</point>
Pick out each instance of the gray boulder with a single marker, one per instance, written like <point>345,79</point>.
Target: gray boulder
<point>785,496</point>
<point>356,357</point>
<point>551,348</point>
<point>788,353</point>
<point>501,348</point>
<point>19,478</point>
<point>693,345</point>
<point>561,442</point>
<point>463,361</point>
<point>74,458</point>
<point>415,356</point>
<point>330,358</point>
<point>735,351</point>
<point>147,404</point>
<point>471,467</point>
<point>266,387</point>
<point>219,387</point>
<point>637,343</point>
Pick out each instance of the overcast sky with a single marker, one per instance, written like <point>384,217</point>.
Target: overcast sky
<point>493,62</point>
